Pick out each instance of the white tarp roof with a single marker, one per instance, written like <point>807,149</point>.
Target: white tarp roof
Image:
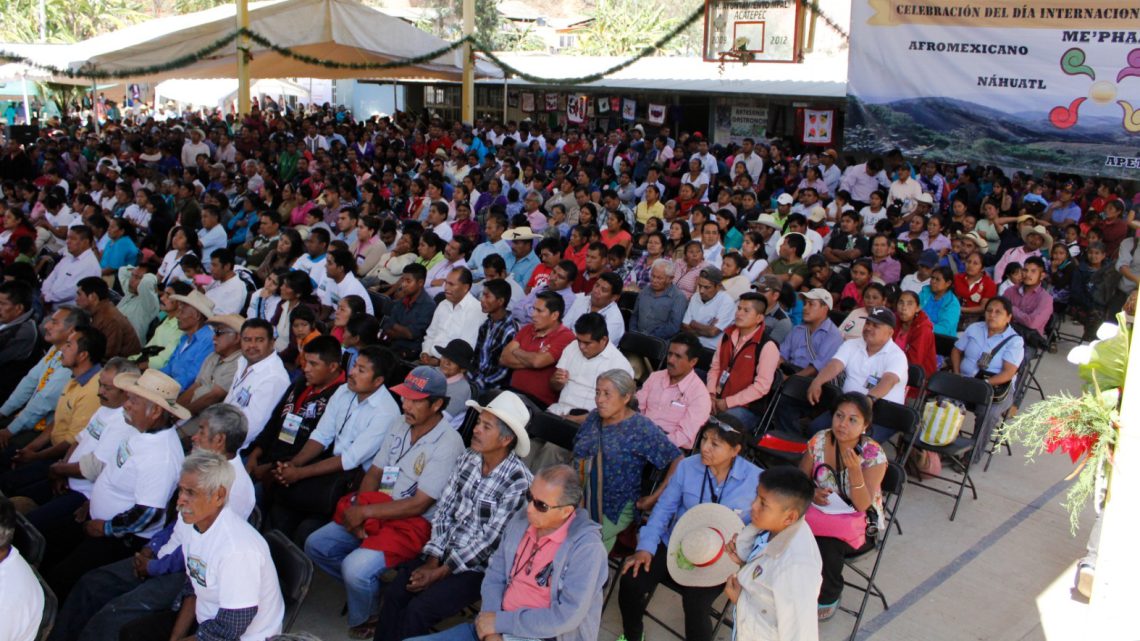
<point>218,92</point>
<point>821,75</point>
<point>341,30</point>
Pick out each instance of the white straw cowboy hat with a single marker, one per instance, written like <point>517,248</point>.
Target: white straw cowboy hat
<point>510,409</point>
<point>198,301</point>
<point>519,233</point>
<point>156,387</point>
<point>697,555</point>
<point>232,321</point>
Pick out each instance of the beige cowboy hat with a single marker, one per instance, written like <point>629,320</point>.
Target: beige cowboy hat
<point>519,233</point>
<point>198,301</point>
<point>697,555</point>
<point>232,321</point>
<point>1040,231</point>
<point>768,220</point>
<point>156,387</point>
<point>510,409</point>
<point>973,237</point>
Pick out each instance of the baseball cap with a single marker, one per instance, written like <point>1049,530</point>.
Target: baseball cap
<point>766,283</point>
<point>881,315</point>
<point>421,383</point>
<point>928,258</point>
<point>819,294</point>
<point>785,199</point>
<point>924,198</point>
<point>713,275</point>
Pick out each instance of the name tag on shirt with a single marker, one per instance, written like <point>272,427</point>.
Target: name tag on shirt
<point>872,381</point>
<point>388,478</point>
<point>242,398</point>
<point>95,429</point>
<point>680,405</point>
<point>724,377</point>
<point>289,429</point>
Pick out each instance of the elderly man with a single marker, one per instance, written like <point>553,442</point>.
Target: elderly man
<point>576,375</point>
<point>77,263</point>
<point>197,340</point>
<point>675,398</point>
<point>873,365</point>
<point>236,594</point>
<point>457,316</point>
<point>348,435</point>
<point>261,378</point>
<point>130,496</point>
<point>745,363</point>
<point>465,533</point>
<point>389,520</point>
<point>20,589</point>
<point>140,302</point>
<point>545,580</point>
<point>109,597</point>
<point>711,311</point>
<point>217,372</point>
<point>32,402</point>
<point>83,355</point>
<point>661,307</point>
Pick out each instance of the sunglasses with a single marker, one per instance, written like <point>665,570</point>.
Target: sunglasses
<point>724,427</point>
<point>223,332</point>
<point>540,505</point>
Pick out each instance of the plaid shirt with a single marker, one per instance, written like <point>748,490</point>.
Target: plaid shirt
<point>494,335</point>
<point>474,509</point>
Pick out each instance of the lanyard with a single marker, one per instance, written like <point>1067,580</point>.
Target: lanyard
<point>736,354</point>
<point>711,486</point>
<point>245,374</point>
<point>352,407</point>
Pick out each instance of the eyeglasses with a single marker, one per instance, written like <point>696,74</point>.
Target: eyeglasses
<point>540,505</point>
<point>223,332</point>
<point>725,427</point>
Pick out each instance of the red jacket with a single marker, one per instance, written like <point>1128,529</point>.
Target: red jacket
<point>918,343</point>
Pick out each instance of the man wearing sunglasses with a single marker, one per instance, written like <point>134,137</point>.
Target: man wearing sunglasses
<point>217,371</point>
<point>545,580</point>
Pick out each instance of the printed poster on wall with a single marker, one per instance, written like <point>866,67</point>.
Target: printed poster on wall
<point>656,114</point>
<point>1043,86</point>
<point>527,101</point>
<point>628,109</point>
<point>735,121</point>
<point>576,108</point>
<point>552,102</point>
<point>818,124</point>
<point>603,106</point>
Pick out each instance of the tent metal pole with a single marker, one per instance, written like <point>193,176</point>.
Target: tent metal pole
<point>27,111</point>
<point>95,105</point>
<point>504,99</point>
<point>243,58</point>
<point>468,114</point>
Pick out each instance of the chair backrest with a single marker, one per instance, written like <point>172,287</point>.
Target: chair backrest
<point>294,573</point>
<point>472,416</point>
<point>627,300</point>
<point>552,429</point>
<point>796,387</point>
<point>901,419</point>
<point>651,348</point>
<point>944,345</point>
<point>255,518</point>
<point>915,376</point>
<point>975,393</point>
<point>29,541</point>
<point>705,359</point>
<point>51,608</point>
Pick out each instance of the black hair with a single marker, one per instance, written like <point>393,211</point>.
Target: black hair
<point>613,280</point>
<point>344,259</point>
<point>325,348</point>
<point>797,242</point>
<point>94,286</point>
<point>756,298</point>
<point>593,325</point>
<point>20,293</point>
<point>320,234</point>
<point>92,341</point>
<point>690,341</point>
<point>224,255</point>
<point>258,323</point>
<point>1003,301</point>
<point>791,484</point>
<point>382,359</point>
<point>364,327</point>
<point>498,288</point>
<point>568,266</point>
<point>554,302</point>
<point>416,271</point>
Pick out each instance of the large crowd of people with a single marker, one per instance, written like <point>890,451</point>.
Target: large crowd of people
<point>343,330</point>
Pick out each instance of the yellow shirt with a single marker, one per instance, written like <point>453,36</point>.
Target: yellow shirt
<point>76,405</point>
<point>645,212</point>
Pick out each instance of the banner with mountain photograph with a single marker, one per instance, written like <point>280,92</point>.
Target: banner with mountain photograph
<point>1046,86</point>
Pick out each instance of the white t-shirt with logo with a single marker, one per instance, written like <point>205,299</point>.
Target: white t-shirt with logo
<point>145,472</point>
<point>864,372</point>
<point>230,568</point>
<point>105,431</point>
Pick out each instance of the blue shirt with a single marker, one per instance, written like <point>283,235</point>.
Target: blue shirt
<point>521,268</point>
<point>353,429</point>
<point>483,250</point>
<point>693,484</point>
<point>188,356</point>
<point>119,253</point>
<point>801,347</point>
<point>943,312</point>
<point>976,340</point>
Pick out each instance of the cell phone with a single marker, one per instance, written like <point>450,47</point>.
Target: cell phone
<point>858,449</point>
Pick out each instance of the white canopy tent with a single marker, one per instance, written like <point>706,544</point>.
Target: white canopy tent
<point>221,92</point>
<point>340,30</point>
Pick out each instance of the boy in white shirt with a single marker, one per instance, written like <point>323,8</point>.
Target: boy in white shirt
<point>916,281</point>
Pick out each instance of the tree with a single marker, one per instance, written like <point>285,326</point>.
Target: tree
<point>67,20</point>
<point>623,27</point>
<point>446,21</point>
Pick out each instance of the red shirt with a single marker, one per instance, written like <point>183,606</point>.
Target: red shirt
<point>539,277</point>
<point>579,257</point>
<point>973,295</point>
<point>536,382</point>
<point>1113,232</point>
<point>534,559</point>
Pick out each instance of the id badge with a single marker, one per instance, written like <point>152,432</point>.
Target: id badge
<point>872,381</point>
<point>289,429</point>
<point>724,377</point>
<point>243,397</point>
<point>388,478</point>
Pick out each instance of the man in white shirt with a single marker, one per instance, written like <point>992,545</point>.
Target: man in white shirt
<point>236,593</point>
<point>212,235</point>
<point>905,188</point>
<point>874,365</point>
<point>228,292</point>
<point>602,300</point>
<point>708,161</point>
<point>222,430</point>
<point>829,171</point>
<point>77,263</point>
<point>193,148</point>
<point>261,378</point>
<point>342,280</point>
<point>20,590</point>
<point>454,255</point>
<point>752,160</point>
<point>710,243</point>
<point>458,316</point>
<point>438,213</point>
<point>576,375</point>
<point>313,141</point>
<point>58,217</point>
<point>711,310</point>
<point>313,261</point>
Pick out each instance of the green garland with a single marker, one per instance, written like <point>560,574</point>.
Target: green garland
<point>477,45</point>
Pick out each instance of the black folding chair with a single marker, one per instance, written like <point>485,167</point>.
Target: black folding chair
<point>51,608</point>
<point>916,380</point>
<point>793,389</point>
<point>718,614</point>
<point>628,300</point>
<point>294,573</point>
<point>977,396</point>
<point>29,541</point>
<point>903,422</point>
<point>552,429</point>
<point>944,345</point>
<point>894,481</point>
<point>652,349</point>
<point>255,518</point>
<point>472,415</point>
<point>705,359</point>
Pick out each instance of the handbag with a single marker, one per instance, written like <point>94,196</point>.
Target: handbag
<point>1001,390</point>
<point>850,528</point>
<point>941,422</point>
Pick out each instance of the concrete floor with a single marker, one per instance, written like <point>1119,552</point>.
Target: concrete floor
<point>1001,571</point>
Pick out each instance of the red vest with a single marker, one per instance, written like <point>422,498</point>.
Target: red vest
<point>742,363</point>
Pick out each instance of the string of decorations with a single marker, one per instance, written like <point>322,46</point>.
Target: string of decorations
<point>95,74</point>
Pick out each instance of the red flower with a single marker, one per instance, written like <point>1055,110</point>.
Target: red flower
<point>1075,445</point>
